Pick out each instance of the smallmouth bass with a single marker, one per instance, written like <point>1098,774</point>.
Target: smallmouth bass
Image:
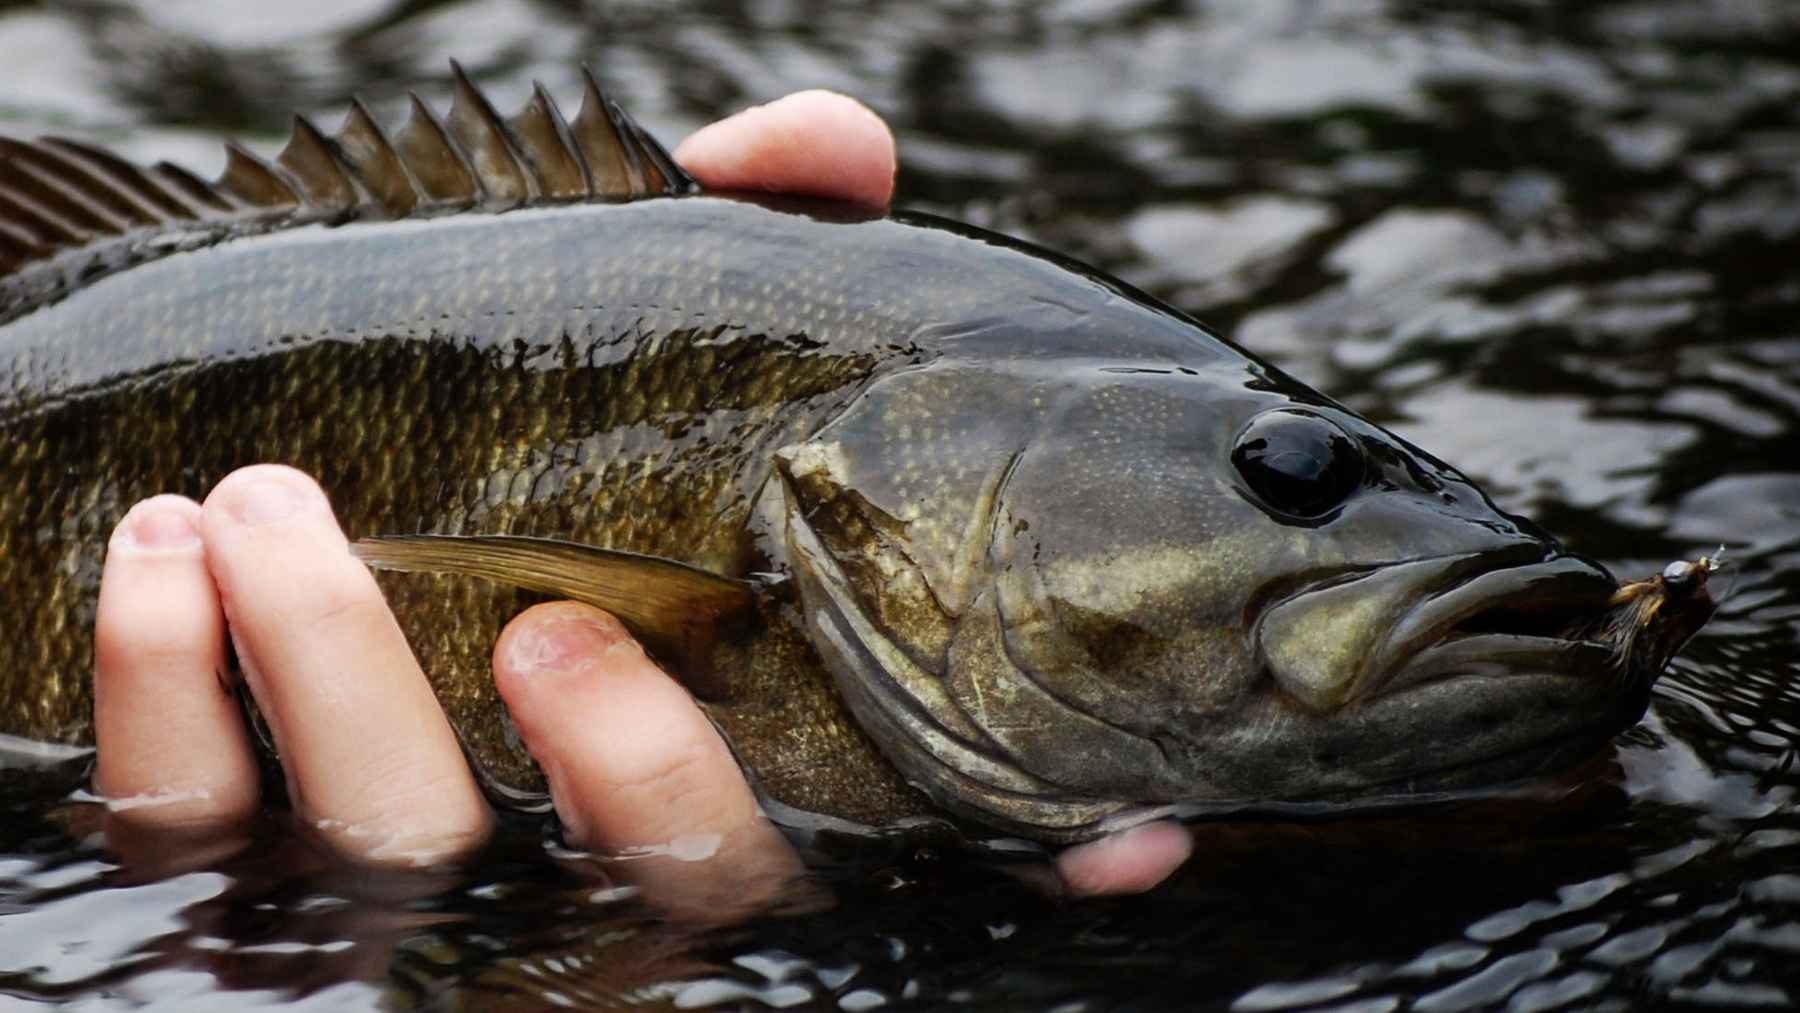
<point>1046,555</point>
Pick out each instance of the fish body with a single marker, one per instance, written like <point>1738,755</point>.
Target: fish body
<point>1050,555</point>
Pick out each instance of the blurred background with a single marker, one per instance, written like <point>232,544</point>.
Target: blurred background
<point>1554,243</point>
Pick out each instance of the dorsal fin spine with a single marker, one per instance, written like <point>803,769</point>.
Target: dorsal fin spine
<point>488,144</point>
<point>362,143</point>
<point>254,182</point>
<point>313,160</point>
<point>49,194</point>
<point>550,154</point>
<point>634,159</point>
<point>73,216</point>
<point>79,187</point>
<point>49,229</point>
<point>129,182</point>
<point>58,194</point>
<point>675,180</point>
<point>598,142</point>
<point>17,246</point>
<point>565,134</point>
<point>608,113</point>
<point>626,161</point>
<point>637,142</point>
<point>191,187</point>
<point>12,233</point>
<point>423,138</point>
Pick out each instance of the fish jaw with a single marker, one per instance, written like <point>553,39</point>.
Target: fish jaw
<point>1352,636</point>
<point>1475,671</point>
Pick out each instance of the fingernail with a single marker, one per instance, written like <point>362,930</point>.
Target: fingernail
<point>561,645</point>
<point>264,499</point>
<point>155,525</point>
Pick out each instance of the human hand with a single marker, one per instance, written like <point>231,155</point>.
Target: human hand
<point>370,760</point>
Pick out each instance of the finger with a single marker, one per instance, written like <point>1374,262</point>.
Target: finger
<point>172,746</point>
<point>370,759</point>
<point>634,766</point>
<point>813,143</point>
<point>1130,861</point>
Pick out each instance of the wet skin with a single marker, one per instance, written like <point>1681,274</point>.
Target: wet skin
<point>370,760</point>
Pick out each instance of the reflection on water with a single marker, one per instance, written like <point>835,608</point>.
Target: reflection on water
<point>1555,243</point>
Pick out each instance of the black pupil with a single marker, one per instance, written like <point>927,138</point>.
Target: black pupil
<point>1298,463</point>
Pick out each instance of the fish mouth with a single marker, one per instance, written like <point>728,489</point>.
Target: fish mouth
<point>1441,674</point>
<point>1531,618</point>
<point>1354,638</point>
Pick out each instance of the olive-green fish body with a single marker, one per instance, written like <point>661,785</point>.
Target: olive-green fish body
<point>1056,555</point>
<point>616,375</point>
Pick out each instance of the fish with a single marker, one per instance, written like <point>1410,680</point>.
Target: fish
<point>936,525</point>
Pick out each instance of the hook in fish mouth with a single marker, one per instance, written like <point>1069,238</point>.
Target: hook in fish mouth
<point>1649,620</point>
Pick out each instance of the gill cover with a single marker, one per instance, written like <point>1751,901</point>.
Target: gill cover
<point>898,529</point>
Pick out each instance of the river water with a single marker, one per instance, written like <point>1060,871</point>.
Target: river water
<point>1557,244</point>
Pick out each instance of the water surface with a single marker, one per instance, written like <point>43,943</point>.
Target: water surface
<point>1556,244</point>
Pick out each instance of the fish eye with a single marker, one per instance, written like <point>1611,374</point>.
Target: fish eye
<point>1298,463</point>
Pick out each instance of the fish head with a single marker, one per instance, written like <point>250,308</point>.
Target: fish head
<point>1060,594</point>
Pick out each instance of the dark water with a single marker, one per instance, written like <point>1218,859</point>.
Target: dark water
<point>1556,243</point>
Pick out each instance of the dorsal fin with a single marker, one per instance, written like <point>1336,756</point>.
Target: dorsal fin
<point>313,160</point>
<point>17,249</point>
<point>151,191</point>
<point>77,183</point>
<point>608,149</point>
<point>660,170</point>
<point>59,195</point>
<point>365,146</point>
<point>35,223</point>
<point>486,142</point>
<point>442,170</point>
<point>547,145</point>
<point>35,182</point>
<point>253,182</point>
<point>191,185</point>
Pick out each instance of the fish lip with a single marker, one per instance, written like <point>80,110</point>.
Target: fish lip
<point>1390,614</point>
<point>1500,620</point>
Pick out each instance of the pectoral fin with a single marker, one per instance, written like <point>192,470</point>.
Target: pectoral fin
<point>679,612</point>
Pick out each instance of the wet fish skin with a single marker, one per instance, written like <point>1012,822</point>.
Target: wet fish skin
<point>542,372</point>
<point>1029,585</point>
